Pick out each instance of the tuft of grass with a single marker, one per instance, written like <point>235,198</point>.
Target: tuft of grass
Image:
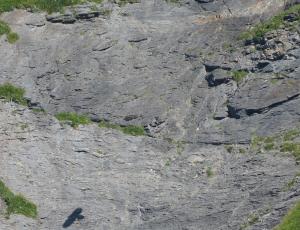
<point>130,129</point>
<point>173,1</point>
<point>209,172</point>
<point>12,37</point>
<point>269,146</point>
<point>74,119</point>
<point>284,142</point>
<point>5,29</point>
<point>292,220</point>
<point>12,93</point>
<point>38,110</point>
<point>17,204</point>
<point>229,148</point>
<point>168,162</point>
<point>290,135</point>
<point>252,219</point>
<point>291,183</point>
<point>258,31</point>
<point>291,147</point>
<point>238,75</point>
<point>133,130</point>
<point>124,2</point>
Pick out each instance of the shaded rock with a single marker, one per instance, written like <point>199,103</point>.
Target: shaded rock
<point>71,15</point>
<point>258,96</point>
<point>217,77</point>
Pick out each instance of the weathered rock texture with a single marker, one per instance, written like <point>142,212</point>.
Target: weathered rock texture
<point>124,182</point>
<point>159,65</point>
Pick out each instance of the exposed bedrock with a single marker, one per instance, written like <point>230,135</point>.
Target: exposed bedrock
<point>176,69</point>
<point>139,62</point>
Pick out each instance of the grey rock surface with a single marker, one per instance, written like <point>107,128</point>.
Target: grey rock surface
<point>124,182</point>
<point>166,67</point>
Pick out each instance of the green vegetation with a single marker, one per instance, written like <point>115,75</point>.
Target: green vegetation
<point>252,219</point>
<point>238,75</point>
<point>124,2</point>
<point>74,119</point>
<point>12,37</point>
<point>292,220</point>
<point>255,217</point>
<point>5,30</point>
<point>17,204</point>
<point>283,142</point>
<point>12,93</point>
<point>168,162</point>
<point>24,126</point>
<point>291,147</point>
<point>38,110</point>
<point>236,149</point>
<point>229,148</point>
<point>290,135</point>
<point>209,172</point>
<point>130,129</point>
<point>274,23</point>
<point>229,47</point>
<point>242,151</point>
<point>290,184</point>
<point>173,1</point>
<point>44,5</point>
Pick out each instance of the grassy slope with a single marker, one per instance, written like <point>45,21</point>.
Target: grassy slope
<point>274,23</point>
<point>17,204</point>
<point>292,220</point>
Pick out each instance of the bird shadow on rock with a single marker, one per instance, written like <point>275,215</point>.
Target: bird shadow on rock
<point>76,215</point>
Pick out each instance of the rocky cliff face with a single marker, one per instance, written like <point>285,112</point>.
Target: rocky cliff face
<point>178,70</point>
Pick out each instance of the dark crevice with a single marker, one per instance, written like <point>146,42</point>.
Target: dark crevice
<point>236,113</point>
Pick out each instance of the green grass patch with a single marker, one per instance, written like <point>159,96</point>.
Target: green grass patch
<point>38,110</point>
<point>291,147</point>
<point>49,6</point>
<point>124,2</point>
<point>292,220</point>
<point>74,118</point>
<point>229,148</point>
<point>258,31</point>
<point>209,172</point>
<point>291,183</point>
<point>290,135</point>
<point>12,37</point>
<point>283,142</point>
<point>238,75</point>
<point>5,30</point>
<point>132,130</point>
<point>17,204</point>
<point>12,93</point>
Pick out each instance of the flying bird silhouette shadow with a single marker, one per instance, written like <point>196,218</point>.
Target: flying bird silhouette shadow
<point>76,215</point>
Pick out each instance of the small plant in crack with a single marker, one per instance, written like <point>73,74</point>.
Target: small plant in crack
<point>209,172</point>
<point>238,75</point>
